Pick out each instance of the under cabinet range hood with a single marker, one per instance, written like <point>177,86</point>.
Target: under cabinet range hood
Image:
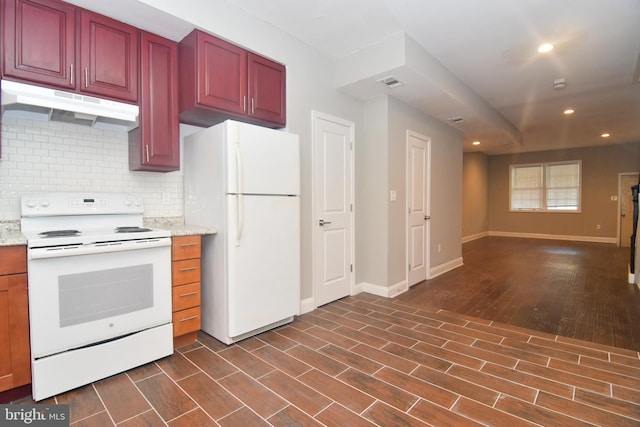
<point>67,107</point>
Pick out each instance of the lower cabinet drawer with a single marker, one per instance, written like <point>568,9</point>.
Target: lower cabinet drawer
<point>186,296</point>
<point>187,271</point>
<point>186,321</point>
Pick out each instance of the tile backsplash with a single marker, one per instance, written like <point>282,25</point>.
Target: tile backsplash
<point>44,156</point>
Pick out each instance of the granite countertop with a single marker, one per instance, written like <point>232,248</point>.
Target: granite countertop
<point>10,234</point>
<point>177,227</point>
<point>188,230</point>
<point>12,238</point>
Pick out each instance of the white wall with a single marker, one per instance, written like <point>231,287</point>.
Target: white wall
<point>446,188</point>
<point>381,244</point>
<point>371,189</point>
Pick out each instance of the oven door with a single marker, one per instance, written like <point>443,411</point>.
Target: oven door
<point>85,295</point>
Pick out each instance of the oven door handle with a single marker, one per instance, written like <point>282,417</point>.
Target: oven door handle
<point>97,248</point>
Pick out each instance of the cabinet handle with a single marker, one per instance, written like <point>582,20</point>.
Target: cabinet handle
<point>71,74</point>
<point>188,268</point>
<point>253,107</point>
<point>244,103</point>
<point>189,294</point>
<point>188,318</point>
<point>86,77</point>
<point>184,245</point>
<point>146,147</point>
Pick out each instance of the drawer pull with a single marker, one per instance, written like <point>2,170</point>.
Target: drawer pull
<point>184,245</point>
<point>188,318</point>
<point>188,268</point>
<point>189,293</point>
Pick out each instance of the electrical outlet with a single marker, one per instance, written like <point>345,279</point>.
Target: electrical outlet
<point>597,226</point>
<point>439,247</point>
<point>166,198</point>
<point>393,195</point>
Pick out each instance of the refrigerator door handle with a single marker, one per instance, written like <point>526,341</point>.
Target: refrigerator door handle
<point>239,219</point>
<point>240,184</point>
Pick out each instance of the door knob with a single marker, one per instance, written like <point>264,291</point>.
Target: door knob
<point>323,222</point>
<point>426,217</point>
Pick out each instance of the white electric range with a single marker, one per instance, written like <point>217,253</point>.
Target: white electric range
<point>99,288</point>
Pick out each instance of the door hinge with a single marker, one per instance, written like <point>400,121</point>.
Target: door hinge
<point>351,207</point>
<point>409,267</point>
<point>351,267</point>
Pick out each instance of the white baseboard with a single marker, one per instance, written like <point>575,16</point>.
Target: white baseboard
<point>307,305</point>
<point>443,268</point>
<point>593,239</point>
<point>476,236</point>
<point>384,291</point>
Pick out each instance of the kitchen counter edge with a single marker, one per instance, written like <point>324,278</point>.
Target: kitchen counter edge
<point>12,238</point>
<point>188,230</point>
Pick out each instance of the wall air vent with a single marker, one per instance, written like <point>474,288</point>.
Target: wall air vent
<point>456,119</point>
<point>390,81</point>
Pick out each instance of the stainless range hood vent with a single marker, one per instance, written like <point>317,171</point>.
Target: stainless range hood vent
<point>66,107</point>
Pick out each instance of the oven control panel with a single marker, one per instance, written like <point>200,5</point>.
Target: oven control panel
<point>48,204</point>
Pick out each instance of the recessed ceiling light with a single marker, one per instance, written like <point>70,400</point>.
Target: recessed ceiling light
<point>545,47</point>
<point>476,142</point>
<point>605,135</point>
<point>568,111</point>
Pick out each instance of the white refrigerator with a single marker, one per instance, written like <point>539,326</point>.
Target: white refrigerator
<point>244,180</point>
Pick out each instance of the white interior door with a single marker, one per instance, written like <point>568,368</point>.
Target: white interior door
<point>333,215</point>
<point>626,208</point>
<point>417,207</point>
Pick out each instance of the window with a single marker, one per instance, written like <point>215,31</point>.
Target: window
<point>545,187</point>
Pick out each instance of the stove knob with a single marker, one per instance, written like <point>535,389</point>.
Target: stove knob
<point>137,202</point>
<point>43,202</point>
<point>127,202</point>
<point>30,203</point>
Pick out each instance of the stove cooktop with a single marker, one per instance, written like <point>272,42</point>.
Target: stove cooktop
<point>66,237</point>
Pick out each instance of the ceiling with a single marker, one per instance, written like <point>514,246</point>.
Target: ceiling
<point>480,63</point>
<point>475,60</point>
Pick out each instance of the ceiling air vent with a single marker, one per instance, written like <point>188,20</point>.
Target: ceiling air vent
<point>456,119</point>
<point>390,81</point>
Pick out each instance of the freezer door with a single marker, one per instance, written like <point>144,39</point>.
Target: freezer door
<point>264,261</point>
<point>261,160</point>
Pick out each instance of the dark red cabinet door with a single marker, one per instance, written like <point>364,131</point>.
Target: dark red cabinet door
<point>221,74</point>
<point>108,57</point>
<point>267,90</point>
<point>219,81</point>
<point>154,145</point>
<point>39,41</point>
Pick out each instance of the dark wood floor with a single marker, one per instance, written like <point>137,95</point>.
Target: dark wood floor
<point>370,361</point>
<point>573,289</point>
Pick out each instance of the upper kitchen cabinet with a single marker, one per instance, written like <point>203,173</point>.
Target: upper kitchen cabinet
<point>108,57</point>
<point>267,90</point>
<point>155,145</point>
<point>39,41</point>
<point>56,44</point>
<point>219,80</point>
